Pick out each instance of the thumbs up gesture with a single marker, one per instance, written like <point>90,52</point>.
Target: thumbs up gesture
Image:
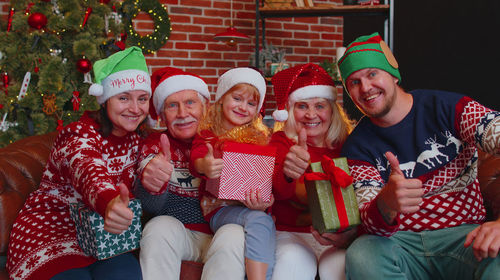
<point>159,169</point>
<point>399,195</point>
<point>209,165</point>
<point>297,158</point>
<point>118,216</point>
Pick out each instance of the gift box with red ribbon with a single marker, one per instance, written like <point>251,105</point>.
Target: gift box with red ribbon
<point>245,166</point>
<point>331,196</point>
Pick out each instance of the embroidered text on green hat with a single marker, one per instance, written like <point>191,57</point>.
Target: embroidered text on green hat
<point>122,71</point>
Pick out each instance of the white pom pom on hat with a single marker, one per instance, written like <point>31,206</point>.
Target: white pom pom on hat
<point>300,82</point>
<point>96,90</point>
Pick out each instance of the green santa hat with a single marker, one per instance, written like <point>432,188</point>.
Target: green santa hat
<point>368,51</point>
<point>122,71</point>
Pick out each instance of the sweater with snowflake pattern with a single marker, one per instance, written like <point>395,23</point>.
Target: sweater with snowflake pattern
<point>437,143</point>
<point>179,197</point>
<point>83,166</point>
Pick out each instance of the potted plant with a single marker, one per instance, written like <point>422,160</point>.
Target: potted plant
<point>271,59</point>
<point>331,68</point>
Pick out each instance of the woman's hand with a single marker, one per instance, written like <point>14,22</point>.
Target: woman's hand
<point>253,200</point>
<point>118,216</point>
<point>297,158</point>
<point>339,240</point>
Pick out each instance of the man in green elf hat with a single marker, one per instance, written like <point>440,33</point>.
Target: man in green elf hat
<point>413,158</point>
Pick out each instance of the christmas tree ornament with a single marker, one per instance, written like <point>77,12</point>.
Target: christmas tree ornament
<point>6,80</point>
<point>104,1</point>
<point>28,8</point>
<point>37,20</point>
<point>24,87</point>
<point>55,7</point>
<point>76,100</point>
<point>49,104</point>
<point>3,126</point>
<point>83,65</point>
<point>59,125</point>
<point>86,17</point>
<point>9,19</point>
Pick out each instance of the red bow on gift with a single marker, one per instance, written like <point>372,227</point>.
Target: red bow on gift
<point>338,179</point>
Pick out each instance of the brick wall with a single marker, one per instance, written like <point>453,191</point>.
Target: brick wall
<point>194,23</point>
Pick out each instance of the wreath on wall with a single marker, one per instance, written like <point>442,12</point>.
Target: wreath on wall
<point>162,28</point>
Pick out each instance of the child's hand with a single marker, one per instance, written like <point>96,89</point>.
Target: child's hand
<point>211,166</point>
<point>253,200</point>
<point>118,216</point>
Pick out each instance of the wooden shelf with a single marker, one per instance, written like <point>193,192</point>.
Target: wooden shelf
<point>322,10</point>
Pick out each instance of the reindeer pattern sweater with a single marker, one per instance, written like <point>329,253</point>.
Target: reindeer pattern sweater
<point>179,197</point>
<point>83,166</point>
<point>437,143</point>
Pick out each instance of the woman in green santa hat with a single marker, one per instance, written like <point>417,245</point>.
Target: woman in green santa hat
<point>93,161</point>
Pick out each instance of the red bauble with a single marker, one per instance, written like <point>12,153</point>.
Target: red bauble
<point>83,65</point>
<point>104,1</point>
<point>37,20</point>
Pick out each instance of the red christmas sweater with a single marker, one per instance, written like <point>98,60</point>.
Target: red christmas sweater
<point>290,206</point>
<point>83,166</point>
<point>179,197</point>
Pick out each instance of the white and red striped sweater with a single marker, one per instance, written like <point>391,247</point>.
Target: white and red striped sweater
<point>82,166</point>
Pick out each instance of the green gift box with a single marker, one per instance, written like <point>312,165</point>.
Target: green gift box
<point>332,208</point>
<point>97,242</point>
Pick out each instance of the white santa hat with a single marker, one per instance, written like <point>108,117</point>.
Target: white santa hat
<point>300,82</point>
<point>241,75</point>
<point>169,80</point>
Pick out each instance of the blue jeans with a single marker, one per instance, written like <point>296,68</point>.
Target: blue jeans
<point>260,232</point>
<point>436,254</point>
<point>121,267</point>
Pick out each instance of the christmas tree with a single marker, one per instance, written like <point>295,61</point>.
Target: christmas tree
<point>47,48</point>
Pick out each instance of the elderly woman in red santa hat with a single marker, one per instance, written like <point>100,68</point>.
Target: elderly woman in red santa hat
<point>314,125</point>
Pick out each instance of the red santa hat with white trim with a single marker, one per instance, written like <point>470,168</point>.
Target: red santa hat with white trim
<point>300,82</point>
<point>169,80</point>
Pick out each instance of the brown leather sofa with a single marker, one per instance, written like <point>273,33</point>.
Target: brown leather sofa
<point>22,164</point>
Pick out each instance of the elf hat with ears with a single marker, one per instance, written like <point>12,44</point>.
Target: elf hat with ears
<point>300,82</point>
<point>169,80</point>
<point>241,75</point>
<point>368,51</point>
<point>122,71</point>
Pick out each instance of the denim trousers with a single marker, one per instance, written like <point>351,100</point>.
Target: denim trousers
<point>260,232</point>
<point>435,254</point>
<point>121,267</point>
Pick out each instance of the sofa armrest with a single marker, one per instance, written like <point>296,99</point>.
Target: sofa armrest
<point>489,180</point>
<point>21,167</point>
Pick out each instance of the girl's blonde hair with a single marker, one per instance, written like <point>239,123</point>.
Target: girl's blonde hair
<point>254,132</point>
<point>340,127</point>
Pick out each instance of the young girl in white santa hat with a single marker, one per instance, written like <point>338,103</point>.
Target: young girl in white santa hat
<point>235,117</point>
